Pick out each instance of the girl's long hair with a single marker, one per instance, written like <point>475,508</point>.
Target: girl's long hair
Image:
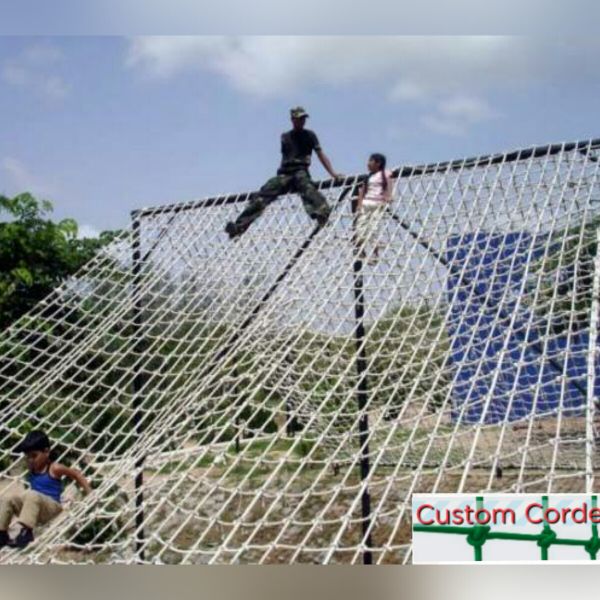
<point>381,160</point>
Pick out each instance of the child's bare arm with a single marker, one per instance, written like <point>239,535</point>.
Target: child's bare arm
<point>57,470</point>
<point>327,165</point>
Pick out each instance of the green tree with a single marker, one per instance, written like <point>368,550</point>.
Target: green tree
<point>37,253</point>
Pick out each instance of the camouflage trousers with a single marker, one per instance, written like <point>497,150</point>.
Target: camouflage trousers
<point>298,182</point>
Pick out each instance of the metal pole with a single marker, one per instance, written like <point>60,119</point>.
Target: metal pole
<point>362,390</point>
<point>289,422</point>
<point>138,382</point>
<point>591,372</point>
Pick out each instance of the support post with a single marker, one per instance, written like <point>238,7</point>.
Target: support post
<point>238,435</point>
<point>362,388</point>
<point>591,372</point>
<point>138,382</point>
<point>289,422</point>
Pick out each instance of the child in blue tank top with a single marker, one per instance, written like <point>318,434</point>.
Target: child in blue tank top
<point>42,502</point>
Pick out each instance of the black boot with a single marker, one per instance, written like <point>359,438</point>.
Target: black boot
<point>22,540</point>
<point>232,230</point>
<point>4,539</point>
<point>322,219</point>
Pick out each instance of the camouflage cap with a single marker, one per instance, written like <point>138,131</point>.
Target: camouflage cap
<point>298,112</point>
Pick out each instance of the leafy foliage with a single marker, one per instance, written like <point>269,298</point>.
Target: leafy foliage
<point>37,253</point>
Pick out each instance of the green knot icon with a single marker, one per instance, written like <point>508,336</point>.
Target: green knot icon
<point>592,546</point>
<point>478,535</point>
<point>546,538</point>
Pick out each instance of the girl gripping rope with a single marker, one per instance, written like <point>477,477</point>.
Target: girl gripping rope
<point>374,197</point>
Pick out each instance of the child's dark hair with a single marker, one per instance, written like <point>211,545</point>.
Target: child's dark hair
<point>381,160</point>
<point>37,440</point>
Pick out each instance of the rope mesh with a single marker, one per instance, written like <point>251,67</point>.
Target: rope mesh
<point>278,398</point>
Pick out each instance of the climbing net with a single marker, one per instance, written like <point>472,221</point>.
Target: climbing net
<point>280,397</point>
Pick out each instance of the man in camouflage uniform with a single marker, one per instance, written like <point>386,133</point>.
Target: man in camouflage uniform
<point>292,176</point>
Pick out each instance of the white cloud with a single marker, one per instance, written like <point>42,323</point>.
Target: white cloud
<point>42,54</point>
<point>54,87</point>
<point>454,115</point>
<point>87,231</point>
<point>166,55</point>
<point>406,91</point>
<point>443,125</point>
<point>270,65</point>
<point>30,71</point>
<point>22,180</point>
<point>15,75</point>
<point>446,77</point>
<point>16,170</point>
<point>414,64</point>
<point>467,108</point>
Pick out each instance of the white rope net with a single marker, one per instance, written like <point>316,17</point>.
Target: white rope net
<point>280,397</point>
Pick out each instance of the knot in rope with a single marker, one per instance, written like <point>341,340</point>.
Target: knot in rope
<point>546,538</point>
<point>478,535</point>
<point>592,546</point>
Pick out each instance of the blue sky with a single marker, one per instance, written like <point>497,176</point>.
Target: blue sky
<point>102,125</point>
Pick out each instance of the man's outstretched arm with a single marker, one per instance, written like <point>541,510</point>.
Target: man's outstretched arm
<point>327,165</point>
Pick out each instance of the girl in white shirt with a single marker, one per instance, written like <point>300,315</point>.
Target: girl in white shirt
<point>374,197</point>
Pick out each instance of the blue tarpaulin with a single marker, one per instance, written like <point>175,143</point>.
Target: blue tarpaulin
<point>505,364</point>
